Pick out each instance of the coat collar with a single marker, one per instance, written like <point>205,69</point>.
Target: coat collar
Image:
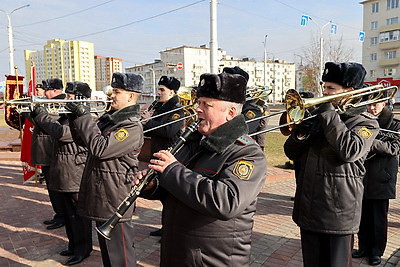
<point>116,116</point>
<point>351,112</point>
<point>385,118</point>
<point>225,135</point>
<point>167,106</point>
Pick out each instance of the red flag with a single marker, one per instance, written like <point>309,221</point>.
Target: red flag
<point>26,143</point>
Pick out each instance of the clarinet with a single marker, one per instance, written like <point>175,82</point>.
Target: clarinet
<point>153,104</point>
<point>106,228</point>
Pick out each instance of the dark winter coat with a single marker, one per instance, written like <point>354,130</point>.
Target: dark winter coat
<point>330,179</point>
<point>254,109</point>
<point>68,158</point>
<point>113,146</point>
<point>42,143</point>
<point>383,161</point>
<point>164,137</point>
<point>209,198</point>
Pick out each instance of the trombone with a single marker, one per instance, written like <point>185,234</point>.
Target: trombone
<point>54,106</point>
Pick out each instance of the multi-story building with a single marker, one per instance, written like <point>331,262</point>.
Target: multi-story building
<point>188,63</point>
<point>381,48</point>
<point>67,60</point>
<point>105,67</point>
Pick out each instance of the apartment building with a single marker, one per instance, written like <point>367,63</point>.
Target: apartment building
<point>381,48</point>
<point>187,63</point>
<point>67,60</point>
<point>104,68</point>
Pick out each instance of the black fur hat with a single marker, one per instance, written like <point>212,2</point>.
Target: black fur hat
<point>53,83</point>
<point>171,83</point>
<point>236,70</point>
<point>223,86</point>
<point>128,81</point>
<point>347,74</point>
<point>306,94</point>
<point>78,89</point>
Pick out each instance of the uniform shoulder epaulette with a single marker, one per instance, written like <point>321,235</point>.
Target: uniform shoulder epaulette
<point>134,119</point>
<point>246,140</point>
<point>369,116</point>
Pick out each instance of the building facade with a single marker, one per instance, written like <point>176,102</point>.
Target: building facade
<point>381,48</point>
<point>187,63</point>
<point>67,60</point>
<point>104,68</point>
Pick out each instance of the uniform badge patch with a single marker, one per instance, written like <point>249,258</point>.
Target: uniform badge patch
<point>121,134</point>
<point>364,132</point>
<point>176,116</point>
<point>250,114</point>
<point>243,169</point>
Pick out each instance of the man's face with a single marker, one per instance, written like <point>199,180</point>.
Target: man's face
<point>165,93</point>
<point>39,92</point>
<point>331,88</point>
<point>52,93</point>
<point>376,108</point>
<point>213,113</point>
<point>70,96</point>
<point>121,98</point>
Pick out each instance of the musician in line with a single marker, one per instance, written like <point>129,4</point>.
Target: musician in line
<point>113,143</point>
<point>67,169</point>
<point>209,188</point>
<point>331,150</point>
<point>253,108</point>
<point>162,138</point>
<point>42,153</point>
<point>379,185</point>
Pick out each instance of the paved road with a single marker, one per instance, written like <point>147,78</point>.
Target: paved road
<point>24,240</point>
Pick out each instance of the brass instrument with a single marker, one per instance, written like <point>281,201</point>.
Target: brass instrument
<point>106,228</point>
<point>296,106</point>
<point>54,106</point>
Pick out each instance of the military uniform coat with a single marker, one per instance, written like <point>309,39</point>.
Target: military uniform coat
<point>381,177</point>
<point>330,180</point>
<point>113,146</point>
<point>69,158</point>
<point>164,137</point>
<point>209,197</point>
<point>254,109</point>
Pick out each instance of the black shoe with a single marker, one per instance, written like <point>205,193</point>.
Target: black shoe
<point>156,232</point>
<point>55,226</point>
<point>75,260</point>
<point>67,253</point>
<point>48,222</point>
<point>374,260</point>
<point>358,254</point>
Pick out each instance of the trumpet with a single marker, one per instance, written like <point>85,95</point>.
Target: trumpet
<point>106,228</point>
<point>53,106</point>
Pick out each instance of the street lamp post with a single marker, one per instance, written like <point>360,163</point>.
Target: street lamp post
<point>10,38</point>
<point>321,51</point>
<point>153,83</point>
<point>265,60</point>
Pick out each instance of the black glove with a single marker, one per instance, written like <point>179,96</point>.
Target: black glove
<point>322,108</point>
<point>37,110</point>
<point>77,109</point>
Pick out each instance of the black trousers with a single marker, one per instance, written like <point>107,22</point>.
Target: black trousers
<point>55,197</point>
<point>325,250</point>
<point>78,229</point>
<point>372,236</point>
<point>119,251</point>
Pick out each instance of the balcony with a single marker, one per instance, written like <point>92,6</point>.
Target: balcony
<point>389,45</point>
<point>389,62</point>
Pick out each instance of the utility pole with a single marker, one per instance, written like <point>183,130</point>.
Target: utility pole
<point>10,39</point>
<point>213,37</point>
<point>265,60</point>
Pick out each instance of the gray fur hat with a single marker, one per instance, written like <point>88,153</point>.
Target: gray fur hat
<point>128,81</point>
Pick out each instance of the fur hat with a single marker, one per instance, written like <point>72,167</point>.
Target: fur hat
<point>171,83</point>
<point>347,74</point>
<point>236,70</point>
<point>39,85</point>
<point>53,83</point>
<point>306,94</point>
<point>128,81</point>
<point>223,86</point>
<point>78,89</point>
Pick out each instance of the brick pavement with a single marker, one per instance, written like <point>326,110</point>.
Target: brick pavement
<point>24,241</point>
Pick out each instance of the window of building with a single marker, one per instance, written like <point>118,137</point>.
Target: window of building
<point>389,72</point>
<point>374,40</point>
<point>389,36</point>
<point>391,21</point>
<point>392,4</point>
<point>373,57</point>
<point>374,25</point>
<point>390,54</point>
<point>375,7</point>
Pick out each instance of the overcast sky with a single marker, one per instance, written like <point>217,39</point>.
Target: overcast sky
<point>137,31</point>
